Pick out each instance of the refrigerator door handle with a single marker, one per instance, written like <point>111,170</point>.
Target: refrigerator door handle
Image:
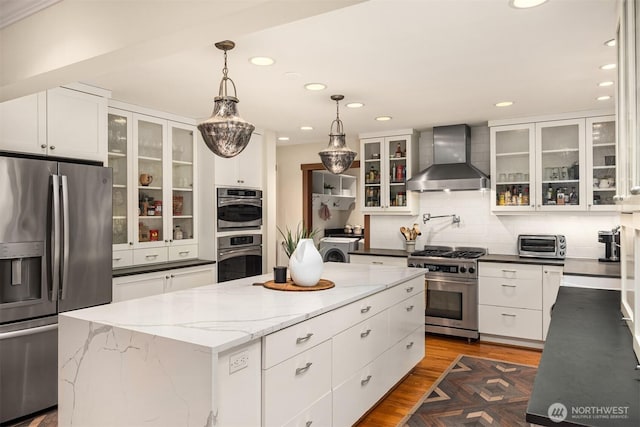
<point>28,331</point>
<point>65,238</point>
<point>55,237</point>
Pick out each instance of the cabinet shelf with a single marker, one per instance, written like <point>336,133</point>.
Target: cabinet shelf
<point>182,163</point>
<point>119,186</point>
<point>513,183</point>
<point>397,183</point>
<point>182,189</point>
<point>182,216</point>
<point>604,144</point>
<point>371,160</point>
<point>561,150</point>
<point>148,187</point>
<point>561,181</point>
<point>604,189</point>
<point>150,216</point>
<point>604,167</point>
<point>116,155</point>
<point>119,217</point>
<point>397,158</point>
<point>150,159</point>
<point>514,154</point>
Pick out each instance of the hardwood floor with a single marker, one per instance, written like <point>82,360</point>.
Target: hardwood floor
<point>439,353</point>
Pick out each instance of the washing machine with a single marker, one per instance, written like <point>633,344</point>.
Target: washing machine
<point>336,249</point>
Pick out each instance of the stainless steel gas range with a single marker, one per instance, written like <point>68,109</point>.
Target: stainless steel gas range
<point>451,289</point>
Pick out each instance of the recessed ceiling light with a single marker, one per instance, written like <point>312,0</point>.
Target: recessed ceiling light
<point>283,138</point>
<point>610,43</point>
<point>383,118</point>
<point>605,84</point>
<point>355,105</point>
<point>262,60</point>
<point>306,128</point>
<point>526,4</point>
<point>608,67</point>
<point>504,104</point>
<point>603,98</point>
<point>315,86</point>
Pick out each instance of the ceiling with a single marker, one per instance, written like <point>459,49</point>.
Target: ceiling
<point>425,63</point>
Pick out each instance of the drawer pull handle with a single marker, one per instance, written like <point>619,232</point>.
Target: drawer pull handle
<point>508,314</point>
<point>365,333</point>
<point>377,262</point>
<point>117,259</point>
<point>304,339</point>
<point>410,308</point>
<point>509,271</point>
<point>151,256</point>
<point>365,381</point>
<point>365,310</point>
<point>508,286</point>
<point>183,253</point>
<point>410,345</point>
<point>304,369</point>
<point>409,289</point>
<point>308,423</point>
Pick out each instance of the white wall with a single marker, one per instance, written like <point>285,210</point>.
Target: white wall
<point>478,227</point>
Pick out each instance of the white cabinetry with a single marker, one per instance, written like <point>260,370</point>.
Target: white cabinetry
<point>553,163</point>
<point>330,369</point>
<point>515,301</point>
<point>60,122</point>
<point>387,161</point>
<point>629,270</point>
<point>147,284</point>
<point>243,170</point>
<point>380,260</point>
<point>154,161</point>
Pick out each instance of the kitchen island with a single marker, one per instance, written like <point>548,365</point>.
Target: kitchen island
<point>237,354</point>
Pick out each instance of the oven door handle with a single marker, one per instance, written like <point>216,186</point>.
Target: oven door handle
<point>458,281</point>
<point>250,202</point>
<point>224,255</point>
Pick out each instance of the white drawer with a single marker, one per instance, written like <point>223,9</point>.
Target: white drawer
<point>519,293</point>
<point>122,259</point>
<point>509,270</point>
<point>150,256</point>
<point>404,355</point>
<point>347,316</point>
<point>295,339</point>
<point>406,316</point>
<point>359,345</point>
<point>510,322</point>
<point>319,414</point>
<point>296,384</point>
<point>177,253</point>
<point>378,260</point>
<point>354,397</point>
<point>405,290</point>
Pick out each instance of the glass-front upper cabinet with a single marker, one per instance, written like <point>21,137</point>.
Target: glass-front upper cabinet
<point>150,134</point>
<point>371,171</point>
<point>183,143</point>
<point>601,162</point>
<point>560,161</point>
<point>513,168</point>
<point>119,159</point>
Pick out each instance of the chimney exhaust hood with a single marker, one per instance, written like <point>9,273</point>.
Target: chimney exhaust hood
<point>452,169</point>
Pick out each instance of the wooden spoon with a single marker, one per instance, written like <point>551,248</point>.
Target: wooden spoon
<point>405,232</point>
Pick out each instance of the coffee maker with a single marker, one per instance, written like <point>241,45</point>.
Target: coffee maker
<point>611,240</point>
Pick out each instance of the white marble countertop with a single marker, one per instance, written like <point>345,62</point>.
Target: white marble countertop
<point>222,316</point>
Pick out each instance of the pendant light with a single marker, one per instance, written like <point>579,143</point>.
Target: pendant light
<point>225,132</point>
<point>337,157</point>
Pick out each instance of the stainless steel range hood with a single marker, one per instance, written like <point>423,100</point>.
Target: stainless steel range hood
<point>452,169</point>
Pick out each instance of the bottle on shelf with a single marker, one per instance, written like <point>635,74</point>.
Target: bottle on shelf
<point>550,196</point>
<point>398,150</point>
<point>177,233</point>
<point>560,196</point>
<point>573,196</point>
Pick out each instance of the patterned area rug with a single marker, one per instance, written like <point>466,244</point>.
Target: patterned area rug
<point>475,391</point>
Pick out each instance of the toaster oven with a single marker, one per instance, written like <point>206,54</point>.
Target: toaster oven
<point>542,245</point>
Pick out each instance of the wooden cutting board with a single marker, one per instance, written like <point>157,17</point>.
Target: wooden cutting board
<point>290,286</point>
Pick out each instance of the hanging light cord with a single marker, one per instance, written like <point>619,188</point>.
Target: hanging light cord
<point>222,91</point>
<point>337,120</point>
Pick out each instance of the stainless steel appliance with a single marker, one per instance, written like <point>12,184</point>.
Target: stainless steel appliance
<point>55,256</point>
<point>542,245</point>
<point>611,240</point>
<point>451,289</point>
<point>239,256</point>
<point>239,209</point>
<point>336,249</point>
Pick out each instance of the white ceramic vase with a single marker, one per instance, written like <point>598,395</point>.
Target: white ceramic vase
<point>305,264</point>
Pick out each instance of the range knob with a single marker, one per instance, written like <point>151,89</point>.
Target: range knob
<point>463,269</point>
<point>472,270</point>
<point>417,264</point>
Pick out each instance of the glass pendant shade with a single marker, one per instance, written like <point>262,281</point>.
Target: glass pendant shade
<point>337,157</point>
<point>225,132</point>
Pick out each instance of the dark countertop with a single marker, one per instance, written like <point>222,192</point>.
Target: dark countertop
<point>572,266</point>
<point>152,268</point>
<point>381,252</point>
<point>587,363</point>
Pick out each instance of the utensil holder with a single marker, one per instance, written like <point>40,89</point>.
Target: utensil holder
<point>410,245</point>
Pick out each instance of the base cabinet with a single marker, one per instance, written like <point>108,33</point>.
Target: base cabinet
<point>331,369</point>
<point>375,259</point>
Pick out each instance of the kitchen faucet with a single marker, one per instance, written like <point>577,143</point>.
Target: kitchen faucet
<point>426,217</point>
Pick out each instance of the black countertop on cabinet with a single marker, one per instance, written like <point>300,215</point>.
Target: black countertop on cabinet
<point>152,268</point>
<point>572,266</point>
<point>381,252</point>
<point>587,364</point>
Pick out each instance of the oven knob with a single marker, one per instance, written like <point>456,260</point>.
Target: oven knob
<point>472,270</point>
<point>463,269</point>
<point>412,264</point>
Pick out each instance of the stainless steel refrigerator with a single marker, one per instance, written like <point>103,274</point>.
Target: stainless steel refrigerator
<point>55,256</point>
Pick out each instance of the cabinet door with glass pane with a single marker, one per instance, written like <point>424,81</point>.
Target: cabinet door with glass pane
<point>513,168</point>
<point>601,162</point>
<point>182,210</point>
<point>119,159</point>
<point>560,162</point>
<point>398,150</point>
<point>150,152</point>
<point>371,173</point>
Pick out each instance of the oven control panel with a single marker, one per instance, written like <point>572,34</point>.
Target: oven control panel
<point>459,269</point>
